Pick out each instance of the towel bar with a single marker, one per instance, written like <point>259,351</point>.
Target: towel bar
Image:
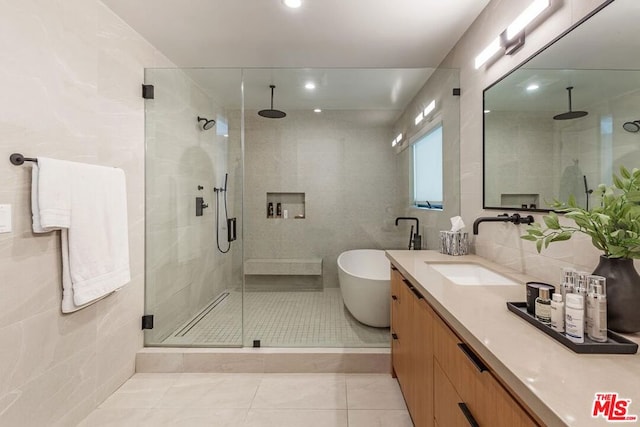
<point>18,159</point>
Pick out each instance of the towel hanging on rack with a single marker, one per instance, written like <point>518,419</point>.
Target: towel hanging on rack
<point>88,204</point>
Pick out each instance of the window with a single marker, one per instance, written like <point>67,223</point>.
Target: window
<point>427,170</point>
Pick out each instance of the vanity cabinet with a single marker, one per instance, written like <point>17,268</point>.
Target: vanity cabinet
<point>412,348</point>
<point>443,381</point>
<point>468,384</point>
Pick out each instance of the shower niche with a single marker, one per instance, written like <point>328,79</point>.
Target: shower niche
<point>285,206</point>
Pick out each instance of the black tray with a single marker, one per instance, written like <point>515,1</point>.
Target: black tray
<point>615,344</point>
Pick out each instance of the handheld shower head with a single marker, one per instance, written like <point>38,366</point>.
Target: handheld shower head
<point>208,124</point>
<point>632,127</point>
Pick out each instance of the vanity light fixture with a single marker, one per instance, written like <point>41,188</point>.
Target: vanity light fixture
<point>429,108</point>
<point>488,52</point>
<point>526,17</point>
<point>532,87</point>
<point>512,38</point>
<point>310,86</point>
<point>397,140</point>
<point>424,113</point>
<point>293,4</point>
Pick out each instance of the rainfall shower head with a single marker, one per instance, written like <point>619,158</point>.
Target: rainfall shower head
<point>570,114</point>
<point>208,124</point>
<point>271,113</point>
<point>632,127</point>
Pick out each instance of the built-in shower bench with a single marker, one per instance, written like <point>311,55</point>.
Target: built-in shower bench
<point>283,266</point>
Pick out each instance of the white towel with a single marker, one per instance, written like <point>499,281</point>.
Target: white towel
<point>88,203</point>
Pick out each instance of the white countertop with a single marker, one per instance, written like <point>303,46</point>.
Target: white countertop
<point>556,383</point>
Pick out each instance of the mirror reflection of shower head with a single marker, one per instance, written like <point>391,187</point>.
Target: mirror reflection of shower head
<point>271,113</point>
<point>632,127</point>
<point>208,124</point>
<point>569,115</point>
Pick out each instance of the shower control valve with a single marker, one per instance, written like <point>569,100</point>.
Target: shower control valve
<point>200,205</point>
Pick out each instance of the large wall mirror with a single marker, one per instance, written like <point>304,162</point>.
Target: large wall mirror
<point>565,120</point>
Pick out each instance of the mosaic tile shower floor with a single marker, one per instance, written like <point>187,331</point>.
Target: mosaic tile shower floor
<point>279,319</point>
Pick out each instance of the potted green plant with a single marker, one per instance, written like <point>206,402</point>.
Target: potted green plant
<point>614,227</point>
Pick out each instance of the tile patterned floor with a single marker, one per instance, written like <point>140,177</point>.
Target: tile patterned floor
<point>281,319</point>
<point>254,400</point>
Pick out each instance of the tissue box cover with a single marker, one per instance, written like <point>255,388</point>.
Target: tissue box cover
<point>454,243</point>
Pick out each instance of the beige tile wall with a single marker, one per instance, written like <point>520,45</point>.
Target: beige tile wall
<point>347,169</point>
<point>70,82</point>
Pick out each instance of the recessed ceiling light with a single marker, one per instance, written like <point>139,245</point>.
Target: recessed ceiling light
<point>317,110</point>
<point>293,4</point>
<point>310,86</point>
<point>533,87</point>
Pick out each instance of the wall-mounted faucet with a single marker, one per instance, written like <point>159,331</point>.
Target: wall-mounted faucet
<point>515,218</point>
<point>415,240</point>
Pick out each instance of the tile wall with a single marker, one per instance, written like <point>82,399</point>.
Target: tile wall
<point>70,83</point>
<point>439,87</point>
<point>347,170</point>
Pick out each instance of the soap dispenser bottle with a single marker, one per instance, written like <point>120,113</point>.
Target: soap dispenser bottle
<point>557,313</point>
<point>574,318</point>
<point>568,282</point>
<point>597,309</point>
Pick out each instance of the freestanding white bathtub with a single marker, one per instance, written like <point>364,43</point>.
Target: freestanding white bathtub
<point>365,281</point>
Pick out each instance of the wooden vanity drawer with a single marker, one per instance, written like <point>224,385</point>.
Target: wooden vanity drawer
<point>455,359</point>
<point>447,401</point>
<point>488,402</point>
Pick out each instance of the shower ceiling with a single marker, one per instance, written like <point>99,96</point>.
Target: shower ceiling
<point>336,89</point>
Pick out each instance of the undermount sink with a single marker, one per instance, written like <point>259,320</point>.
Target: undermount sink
<point>470,274</point>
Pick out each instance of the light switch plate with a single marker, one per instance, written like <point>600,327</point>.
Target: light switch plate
<point>5,218</point>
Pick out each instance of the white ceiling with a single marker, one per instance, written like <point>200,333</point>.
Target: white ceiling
<point>322,33</point>
<point>336,89</point>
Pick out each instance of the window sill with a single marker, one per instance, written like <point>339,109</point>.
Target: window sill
<point>437,208</point>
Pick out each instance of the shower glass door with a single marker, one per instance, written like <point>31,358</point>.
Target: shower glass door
<point>194,184</point>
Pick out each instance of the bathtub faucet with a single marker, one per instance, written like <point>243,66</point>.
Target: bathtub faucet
<point>415,240</point>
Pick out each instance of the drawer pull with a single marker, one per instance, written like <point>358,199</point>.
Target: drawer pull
<point>473,358</point>
<point>393,297</point>
<point>412,289</point>
<point>467,414</point>
<point>394,336</point>
<point>416,293</point>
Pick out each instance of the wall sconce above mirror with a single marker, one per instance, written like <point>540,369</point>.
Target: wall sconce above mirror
<point>513,37</point>
<point>530,159</point>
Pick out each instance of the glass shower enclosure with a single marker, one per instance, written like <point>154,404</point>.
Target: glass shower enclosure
<point>194,182</point>
<point>302,188</point>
